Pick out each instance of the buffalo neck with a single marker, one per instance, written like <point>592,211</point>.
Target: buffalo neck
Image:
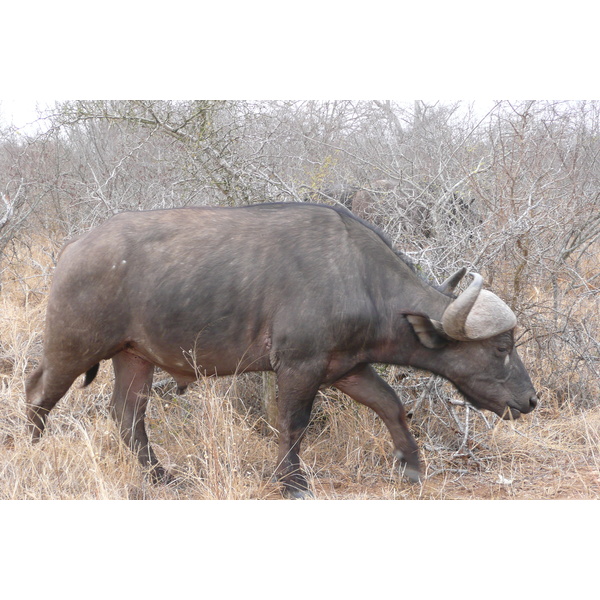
<point>398,343</point>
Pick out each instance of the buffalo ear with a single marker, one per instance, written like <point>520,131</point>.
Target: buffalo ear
<point>430,332</point>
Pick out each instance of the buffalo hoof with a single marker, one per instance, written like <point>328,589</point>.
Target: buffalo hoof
<point>296,488</point>
<point>294,485</point>
<point>411,472</point>
<point>296,494</point>
<point>413,475</point>
<point>159,476</point>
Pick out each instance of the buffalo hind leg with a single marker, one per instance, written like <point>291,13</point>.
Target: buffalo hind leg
<point>133,382</point>
<point>43,390</point>
<point>364,385</point>
<point>296,397</point>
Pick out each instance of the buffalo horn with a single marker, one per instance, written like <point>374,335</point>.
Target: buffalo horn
<point>448,286</point>
<point>477,314</point>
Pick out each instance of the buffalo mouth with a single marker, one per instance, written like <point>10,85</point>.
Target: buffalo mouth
<point>505,412</point>
<point>511,413</point>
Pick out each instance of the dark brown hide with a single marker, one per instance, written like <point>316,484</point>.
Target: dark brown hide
<point>307,291</point>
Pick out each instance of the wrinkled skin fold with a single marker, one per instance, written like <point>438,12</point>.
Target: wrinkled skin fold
<point>307,291</point>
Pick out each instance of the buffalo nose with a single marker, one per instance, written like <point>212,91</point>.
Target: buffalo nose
<point>533,402</point>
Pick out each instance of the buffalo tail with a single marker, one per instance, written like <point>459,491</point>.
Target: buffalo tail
<point>90,375</point>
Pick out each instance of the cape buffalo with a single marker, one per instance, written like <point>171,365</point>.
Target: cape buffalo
<point>310,292</point>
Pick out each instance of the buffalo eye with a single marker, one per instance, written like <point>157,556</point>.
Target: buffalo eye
<point>502,349</point>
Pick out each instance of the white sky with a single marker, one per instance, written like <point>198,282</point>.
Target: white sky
<point>23,114</point>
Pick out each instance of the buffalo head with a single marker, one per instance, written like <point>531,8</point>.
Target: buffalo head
<point>473,347</point>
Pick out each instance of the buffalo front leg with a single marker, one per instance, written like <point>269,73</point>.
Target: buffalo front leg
<point>133,382</point>
<point>364,385</point>
<point>296,397</point>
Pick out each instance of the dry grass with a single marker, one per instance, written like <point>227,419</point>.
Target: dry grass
<point>217,443</point>
<point>219,452</point>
